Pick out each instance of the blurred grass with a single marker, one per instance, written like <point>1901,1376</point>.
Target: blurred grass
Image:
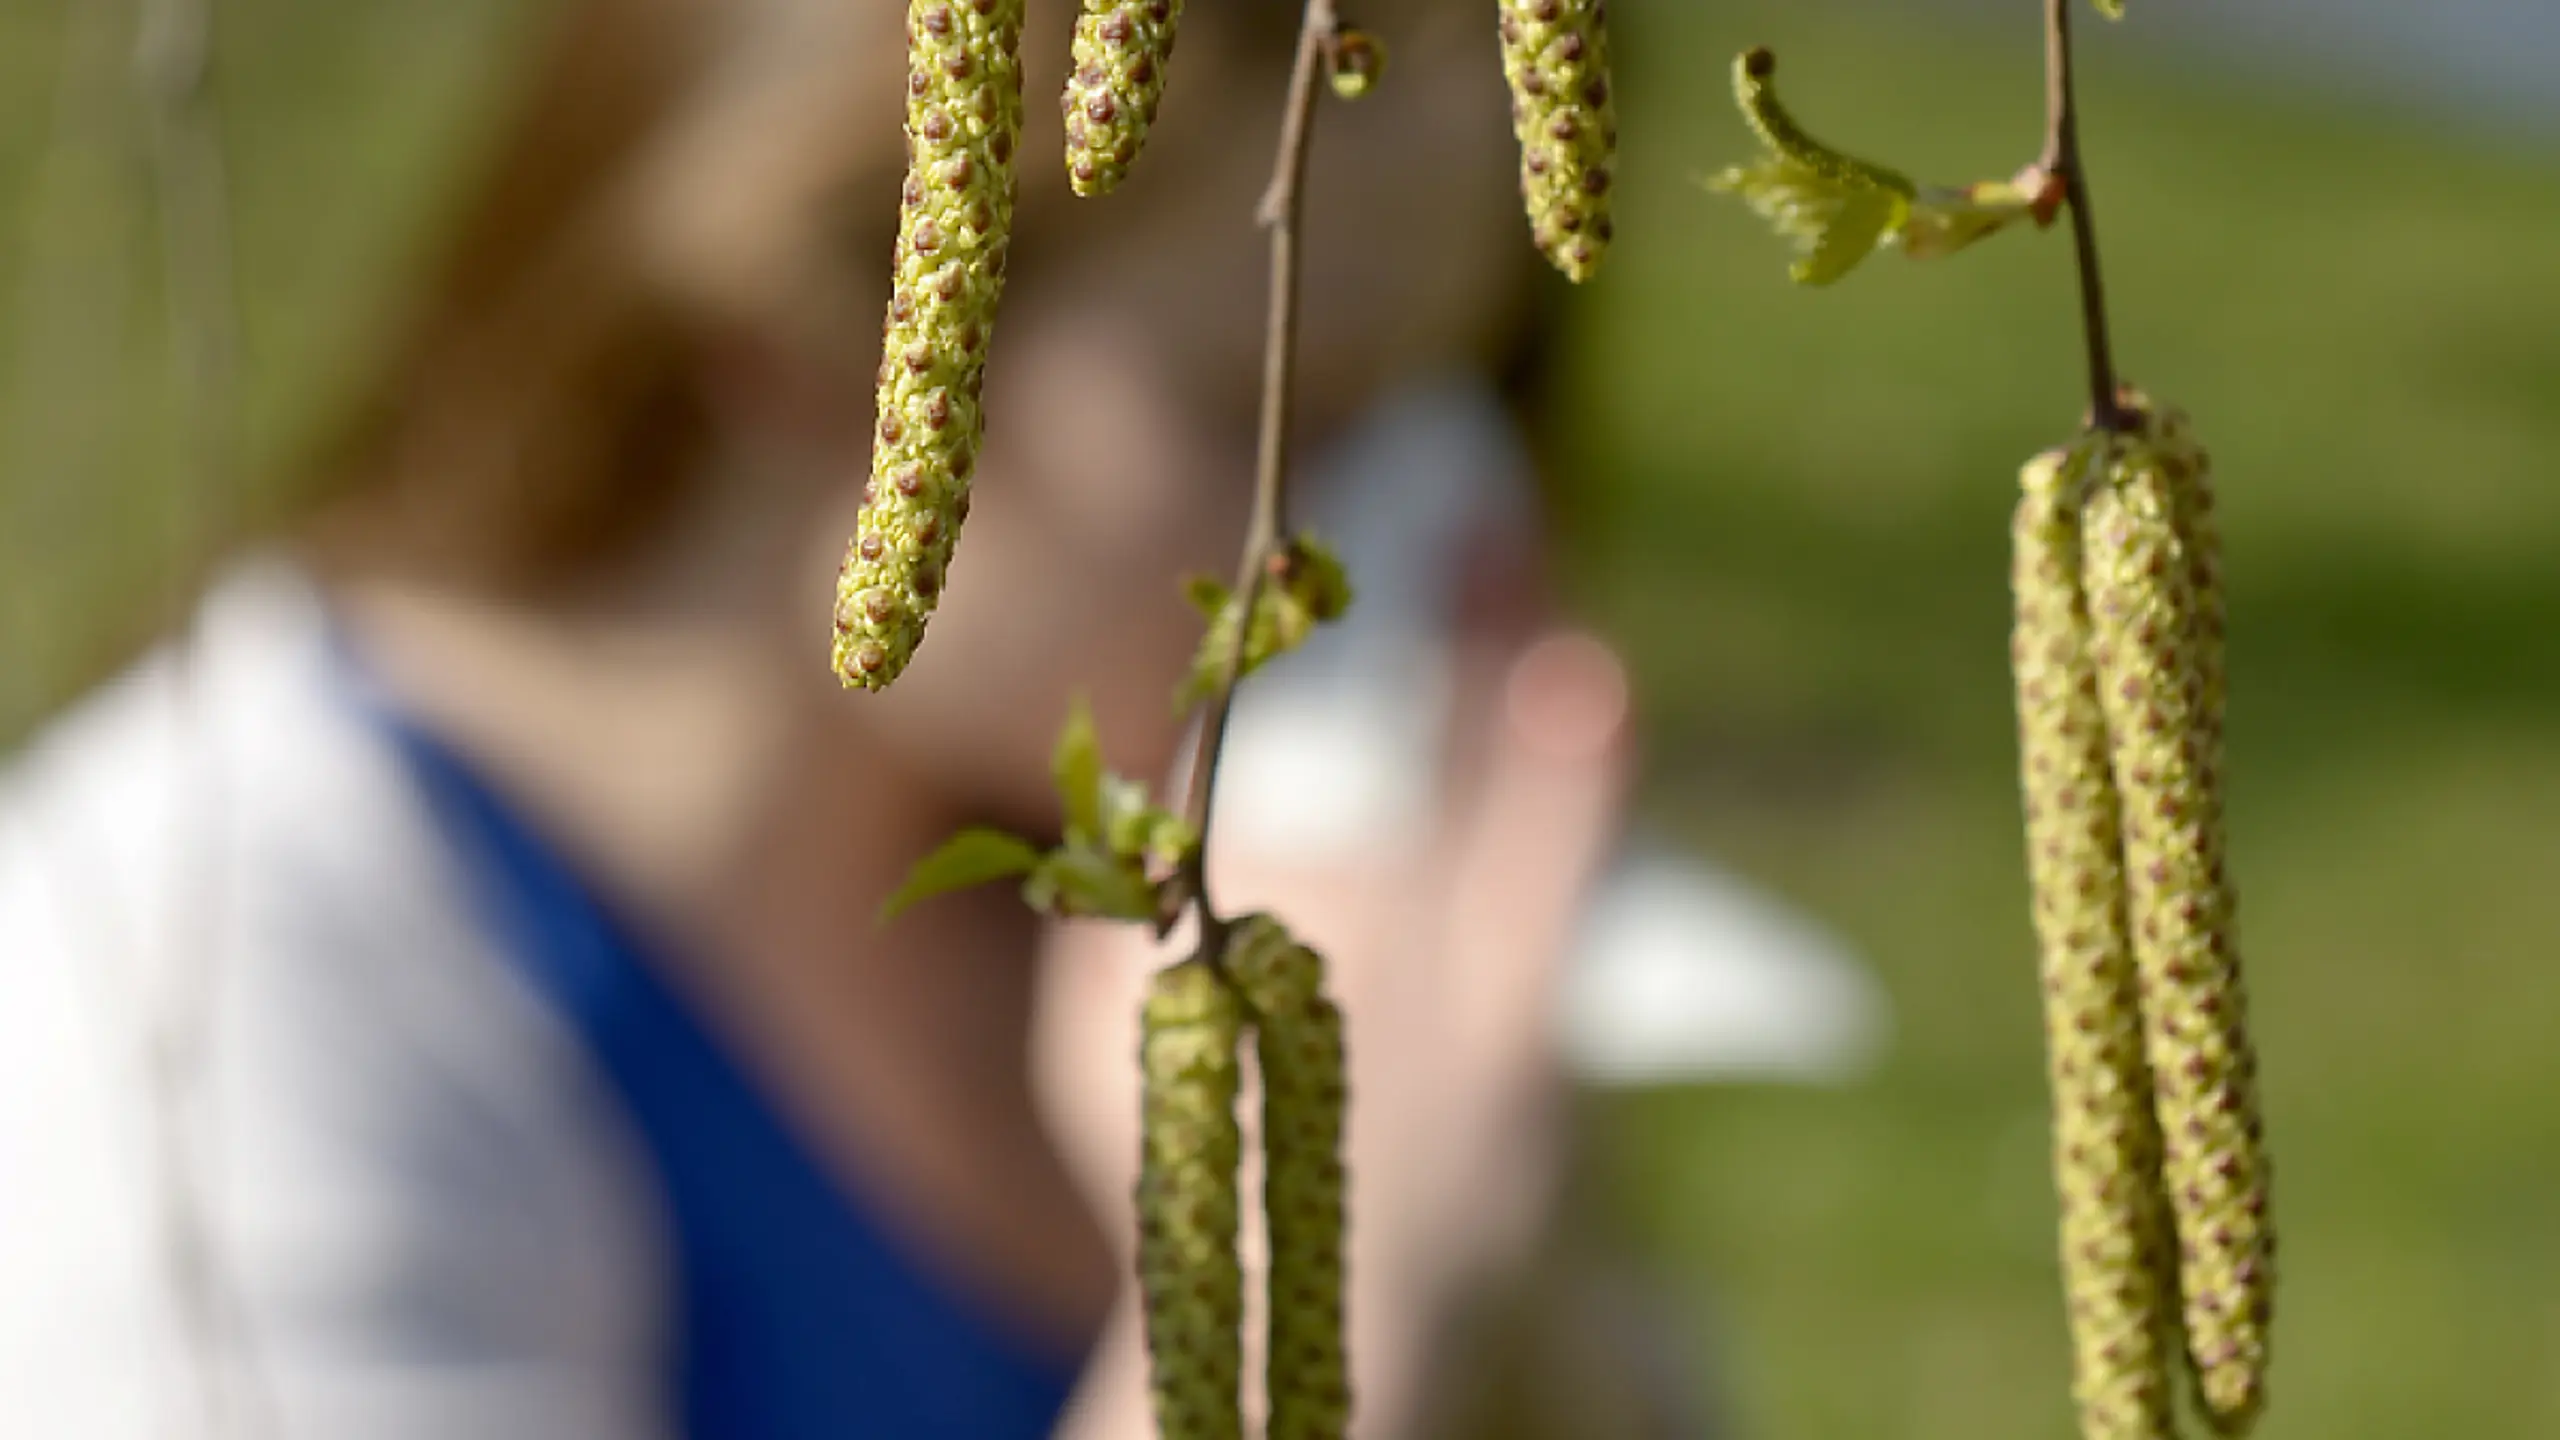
<point>1796,519</point>
<point>336,118</point>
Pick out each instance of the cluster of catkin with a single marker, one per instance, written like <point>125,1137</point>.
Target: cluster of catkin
<point>963,122</point>
<point>2159,1154</point>
<point>1189,1209</point>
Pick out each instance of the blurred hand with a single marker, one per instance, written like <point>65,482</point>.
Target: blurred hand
<point>1445,956</point>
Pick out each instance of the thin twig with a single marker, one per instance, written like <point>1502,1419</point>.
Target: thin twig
<point>2062,158</point>
<point>1281,209</point>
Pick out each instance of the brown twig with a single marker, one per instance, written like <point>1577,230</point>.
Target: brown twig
<point>2062,159</point>
<point>1280,212</point>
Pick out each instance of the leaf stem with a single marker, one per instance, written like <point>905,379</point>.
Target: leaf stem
<point>2062,159</point>
<point>1280,211</point>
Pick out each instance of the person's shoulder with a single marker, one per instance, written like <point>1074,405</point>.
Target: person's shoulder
<point>229,824</point>
<point>213,763</point>
<point>226,908</point>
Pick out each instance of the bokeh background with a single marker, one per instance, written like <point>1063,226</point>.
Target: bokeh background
<point>2332,232</point>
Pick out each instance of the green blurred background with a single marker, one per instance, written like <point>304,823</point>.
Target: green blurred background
<point>1796,521</point>
<point>1800,531</point>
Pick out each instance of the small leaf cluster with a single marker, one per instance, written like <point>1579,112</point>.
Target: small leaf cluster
<point>1118,853</point>
<point>1837,208</point>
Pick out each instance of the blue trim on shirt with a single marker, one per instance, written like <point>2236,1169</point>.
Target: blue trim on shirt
<point>799,1316</point>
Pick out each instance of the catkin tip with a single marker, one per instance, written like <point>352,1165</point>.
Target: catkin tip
<point>1114,85</point>
<point>955,219</point>
<point>1555,54</point>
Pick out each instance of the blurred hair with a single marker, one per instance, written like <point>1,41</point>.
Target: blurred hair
<point>669,171</point>
<point>672,172</point>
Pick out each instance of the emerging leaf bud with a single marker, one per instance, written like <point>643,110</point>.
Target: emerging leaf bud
<point>1357,62</point>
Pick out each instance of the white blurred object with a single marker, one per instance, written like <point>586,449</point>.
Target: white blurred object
<point>1686,973</point>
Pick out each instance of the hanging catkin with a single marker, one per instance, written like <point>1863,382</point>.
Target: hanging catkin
<point>1117,79</point>
<point>2119,1277</point>
<point>964,118</point>
<point>2157,645</point>
<point>1556,55</point>
<point>2190,474</point>
<point>1188,1272</point>
<point>1298,1045</point>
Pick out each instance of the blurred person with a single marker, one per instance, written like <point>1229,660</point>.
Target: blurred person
<point>440,993</point>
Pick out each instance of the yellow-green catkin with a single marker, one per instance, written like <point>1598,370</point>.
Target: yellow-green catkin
<point>1556,56</point>
<point>1189,1274</point>
<point>2189,470</point>
<point>1299,1047</point>
<point>2119,1276</point>
<point>955,222</point>
<point>1117,80</point>
<point>2157,648</point>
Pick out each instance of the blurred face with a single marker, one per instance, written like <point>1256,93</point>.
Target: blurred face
<point>1095,493</point>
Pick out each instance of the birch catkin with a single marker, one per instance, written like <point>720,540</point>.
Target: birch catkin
<point>964,118</point>
<point>1121,50</point>
<point>2190,475</point>
<point>1556,55</point>
<point>1298,1045</point>
<point>2157,648</point>
<point>2119,1278</point>
<point>1188,1272</point>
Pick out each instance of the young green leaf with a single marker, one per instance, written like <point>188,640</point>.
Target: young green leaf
<point>1170,839</point>
<point>1076,765</point>
<point>1206,594</point>
<point>1080,880</point>
<point>972,857</point>
<point>1126,817</point>
<point>1852,233</point>
<point>1837,208</point>
<point>1834,206</point>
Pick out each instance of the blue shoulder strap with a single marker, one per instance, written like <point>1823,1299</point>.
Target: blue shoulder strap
<point>799,1317</point>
